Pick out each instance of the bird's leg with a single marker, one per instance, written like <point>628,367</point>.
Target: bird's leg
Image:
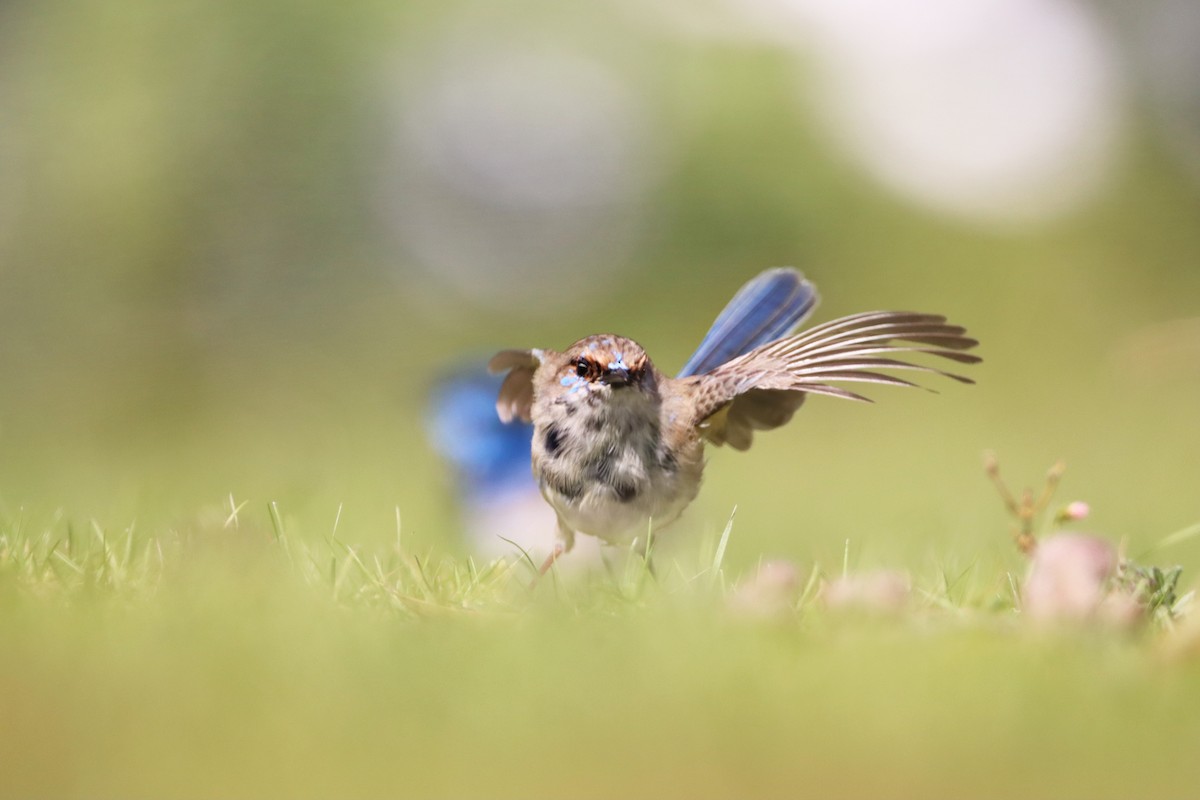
<point>566,540</point>
<point>558,550</point>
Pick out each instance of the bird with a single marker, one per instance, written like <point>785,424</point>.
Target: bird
<point>618,447</point>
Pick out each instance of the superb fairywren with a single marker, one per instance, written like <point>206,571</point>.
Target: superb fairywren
<point>618,447</point>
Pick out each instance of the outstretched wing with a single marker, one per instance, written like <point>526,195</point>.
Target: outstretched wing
<point>763,388</point>
<point>770,306</point>
<point>515,400</point>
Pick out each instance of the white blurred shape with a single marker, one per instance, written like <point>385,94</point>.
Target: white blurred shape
<point>997,111</point>
<point>514,164</point>
<point>529,130</point>
<point>513,521</point>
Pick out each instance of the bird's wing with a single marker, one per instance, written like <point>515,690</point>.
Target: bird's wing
<point>763,388</point>
<point>770,306</point>
<point>515,400</point>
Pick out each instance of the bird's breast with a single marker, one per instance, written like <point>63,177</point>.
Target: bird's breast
<point>613,478</point>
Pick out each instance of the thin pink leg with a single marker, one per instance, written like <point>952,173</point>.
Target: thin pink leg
<point>558,550</point>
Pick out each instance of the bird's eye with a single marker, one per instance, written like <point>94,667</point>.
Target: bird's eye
<point>582,368</point>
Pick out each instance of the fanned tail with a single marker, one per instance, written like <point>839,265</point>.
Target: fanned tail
<point>761,389</point>
<point>767,308</point>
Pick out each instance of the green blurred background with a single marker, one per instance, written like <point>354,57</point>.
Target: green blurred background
<point>240,241</point>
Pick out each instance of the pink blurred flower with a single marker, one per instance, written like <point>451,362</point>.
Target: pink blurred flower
<point>1068,577</point>
<point>1077,510</point>
<point>875,591</point>
<point>772,592</point>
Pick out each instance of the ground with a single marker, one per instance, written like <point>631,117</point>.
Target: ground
<point>241,658</point>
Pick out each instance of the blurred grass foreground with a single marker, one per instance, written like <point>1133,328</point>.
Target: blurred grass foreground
<point>240,659</point>
<point>244,246</point>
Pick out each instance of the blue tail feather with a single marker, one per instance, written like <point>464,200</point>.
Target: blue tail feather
<point>767,308</point>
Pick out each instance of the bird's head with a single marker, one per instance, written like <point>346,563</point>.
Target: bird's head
<point>606,365</point>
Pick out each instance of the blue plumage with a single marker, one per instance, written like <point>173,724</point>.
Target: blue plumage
<point>767,308</point>
<point>488,455</point>
<point>493,457</point>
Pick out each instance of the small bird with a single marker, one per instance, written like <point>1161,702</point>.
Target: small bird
<point>618,447</point>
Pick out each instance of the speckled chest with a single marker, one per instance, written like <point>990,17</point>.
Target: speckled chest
<point>608,467</point>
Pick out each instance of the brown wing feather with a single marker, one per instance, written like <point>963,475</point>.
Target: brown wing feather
<point>762,389</point>
<point>515,400</point>
<point>756,410</point>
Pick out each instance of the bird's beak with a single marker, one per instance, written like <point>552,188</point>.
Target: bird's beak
<point>616,377</point>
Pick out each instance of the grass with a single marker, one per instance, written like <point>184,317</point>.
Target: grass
<point>242,655</point>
